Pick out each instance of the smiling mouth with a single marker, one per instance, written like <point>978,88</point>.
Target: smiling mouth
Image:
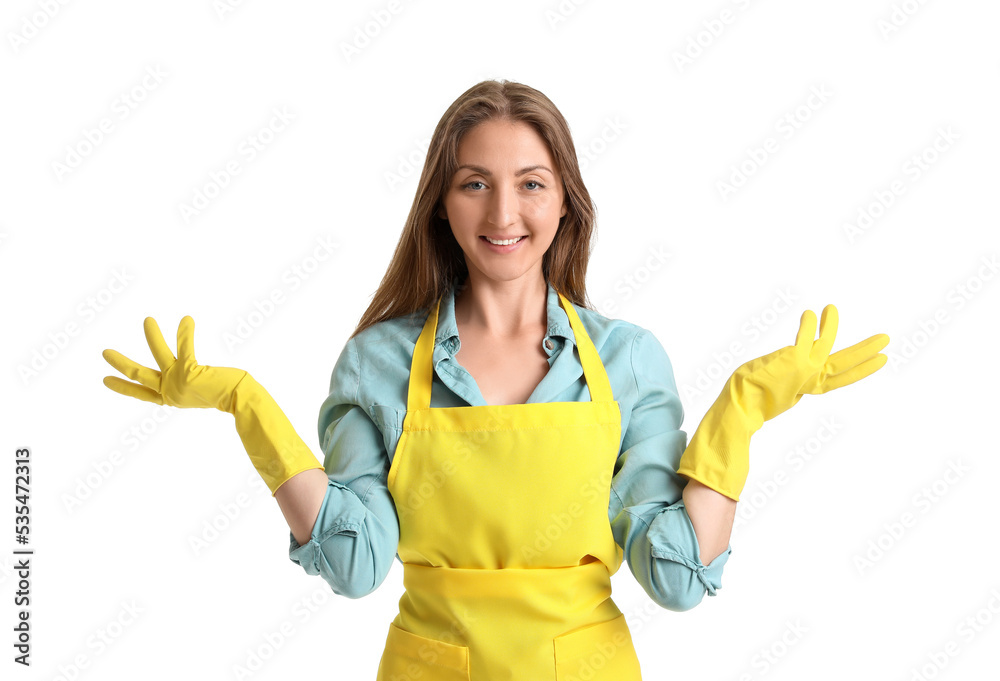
<point>503,242</point>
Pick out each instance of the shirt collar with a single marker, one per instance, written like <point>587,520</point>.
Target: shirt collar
<point>447,329</point>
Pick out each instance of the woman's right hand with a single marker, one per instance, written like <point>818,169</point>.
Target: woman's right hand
<point>181,381</point>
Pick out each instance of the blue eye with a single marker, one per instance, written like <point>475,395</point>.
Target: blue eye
<point>468,185</point>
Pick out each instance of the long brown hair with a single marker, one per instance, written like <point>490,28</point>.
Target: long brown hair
<point>427,258</point>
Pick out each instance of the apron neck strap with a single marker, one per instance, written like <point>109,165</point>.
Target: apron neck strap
<point>422,365</point>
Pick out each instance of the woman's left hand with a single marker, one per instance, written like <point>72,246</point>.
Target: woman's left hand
<point>718,455</point>
<point>769,385</point>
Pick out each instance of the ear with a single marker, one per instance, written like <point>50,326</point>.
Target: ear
<point>441,214</point>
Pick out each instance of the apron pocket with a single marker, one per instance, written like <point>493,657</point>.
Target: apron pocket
<point>410,656</point>
<point>599,652</point>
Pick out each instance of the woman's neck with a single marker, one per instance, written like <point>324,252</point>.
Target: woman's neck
<point>502,308</point>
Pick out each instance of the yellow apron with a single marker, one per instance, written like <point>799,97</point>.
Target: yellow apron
<point>505,541</point>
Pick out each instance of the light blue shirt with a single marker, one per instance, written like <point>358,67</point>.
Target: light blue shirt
<point>356,535</point>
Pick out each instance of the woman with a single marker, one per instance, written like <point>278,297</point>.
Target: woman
<point>509,444</point>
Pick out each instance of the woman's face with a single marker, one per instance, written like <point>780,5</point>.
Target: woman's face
<point>506,188</point>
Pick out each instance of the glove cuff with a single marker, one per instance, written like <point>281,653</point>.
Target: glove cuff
<point>275,449</point>
<point>723,469</point>
<point>718,455</point>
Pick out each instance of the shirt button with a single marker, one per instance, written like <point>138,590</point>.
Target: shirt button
<point>548,344</point>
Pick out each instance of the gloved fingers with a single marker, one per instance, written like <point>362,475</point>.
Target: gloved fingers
<point>161,351</point>
<point>144,375</point>
<point>866,368</point>
<point>123,387</point>
<point>827,333</point>
<point>807,330</point>
<point>185,339</point>
<point>842,360</point>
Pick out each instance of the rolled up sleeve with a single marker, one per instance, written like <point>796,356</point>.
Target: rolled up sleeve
<point>647,513</point>
<point>356,534</point>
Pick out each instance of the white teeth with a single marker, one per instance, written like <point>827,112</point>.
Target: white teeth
<point>505,242</point>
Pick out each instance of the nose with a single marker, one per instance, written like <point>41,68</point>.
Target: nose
<point>503,206</point>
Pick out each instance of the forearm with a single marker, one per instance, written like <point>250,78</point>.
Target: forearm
<point>712,515</point>
<point>300,498</point>
<point>353,540</point>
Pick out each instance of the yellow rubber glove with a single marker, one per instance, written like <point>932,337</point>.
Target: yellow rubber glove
<point>275,449</point>
<point>718,455</point>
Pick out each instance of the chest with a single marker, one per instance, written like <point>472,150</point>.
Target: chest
<point>506,372</point>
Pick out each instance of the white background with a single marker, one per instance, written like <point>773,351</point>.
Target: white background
<point>659,132</point>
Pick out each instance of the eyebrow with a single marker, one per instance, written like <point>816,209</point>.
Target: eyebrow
<point>484,171</point>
